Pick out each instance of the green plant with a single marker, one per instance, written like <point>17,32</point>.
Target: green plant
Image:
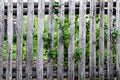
<point>55,9</point>
<point>56,4</point>
<point>53,54</point>
<point>115,33</point>
<point>78,53</point>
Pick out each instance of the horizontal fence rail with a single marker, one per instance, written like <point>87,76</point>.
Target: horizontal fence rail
<point>65,75</point>
<point>25,6</point>
<point>66,4</point>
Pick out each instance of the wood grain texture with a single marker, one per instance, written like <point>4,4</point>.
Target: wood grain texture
<point>101,41</point>
<point>82,40</point>
<point>118,39</point>
<point>1,36</point>
<point>60,41</point>
<point>92,39</point>
<point>41,8</point>
<point>109,40</point>
<point>51,40</point>
<point>19,38</point>
<point>9,40</point>
<point>71,40</point>
<point>29,49</point>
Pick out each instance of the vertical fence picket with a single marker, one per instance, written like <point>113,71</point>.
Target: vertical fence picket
<point>101,41</point>
<point>51,40</point>
<point>19,38</point>
<point>41,10</point>
<point>71,40</point>
<point>109,40</point>
<point>92,39</point>
<point>82,40</point>
<point>29,39</point>
<point>118,39</point>
<point>10,40</point>
<point>60,42</point>
<point>1,36</point>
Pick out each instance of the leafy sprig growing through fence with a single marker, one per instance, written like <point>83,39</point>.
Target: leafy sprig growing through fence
<point>78,53</point>
<point>65,36</point>
<point>55,7</point>
<point>64,29</point>
<point>115,34</point>
<point>53,54</point>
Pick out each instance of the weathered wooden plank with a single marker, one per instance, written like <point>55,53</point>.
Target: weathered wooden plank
<point>41,8</point>
<point>30,26</point>
<point>71,40</point>
<point>118,39</point>
<point>109,40</point>
<point>92,39</point>
<point>82,40</point>
<point>51,40</point>
<point>60,41</point>
<point>19,38</point>
<point>101,41</point>
<point>10,40</point>
<point>1,36</point>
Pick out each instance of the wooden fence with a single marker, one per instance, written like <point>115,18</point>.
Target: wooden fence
<point>60,72</point>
